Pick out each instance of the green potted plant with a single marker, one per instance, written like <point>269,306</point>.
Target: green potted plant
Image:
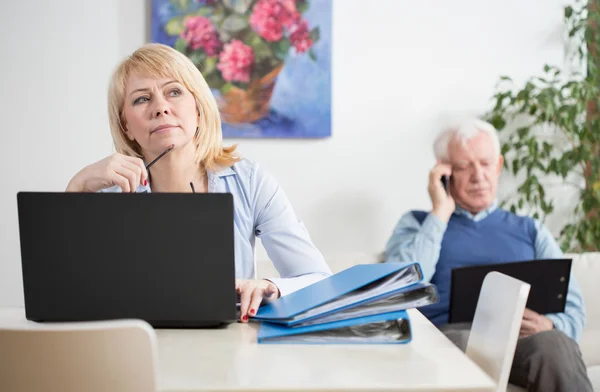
<point>561,104</point>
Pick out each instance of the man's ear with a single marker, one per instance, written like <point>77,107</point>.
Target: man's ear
<point>500,164</point>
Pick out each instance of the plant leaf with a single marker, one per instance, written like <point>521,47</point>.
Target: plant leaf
<point>181,4</point>
<point>281,48</point>
<point>568,12</point>
<point>315,34</point>
<point>210,65</point>
<point>234,23</point>
<point>180,45</point>
<point>301,6</point>
<point>197,57</point>
<point>174,26</point>
<point>239,6</point>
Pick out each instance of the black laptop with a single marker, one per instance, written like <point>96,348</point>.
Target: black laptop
<point>166,258</point>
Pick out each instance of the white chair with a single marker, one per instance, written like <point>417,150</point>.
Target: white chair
<point>495,330</point>
<point>114,356</point>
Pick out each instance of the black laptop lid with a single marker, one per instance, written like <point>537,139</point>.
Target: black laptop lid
<point>549,280</point>
<point>163,257</point>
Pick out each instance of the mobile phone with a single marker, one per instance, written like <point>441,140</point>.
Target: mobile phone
<point>446,183</point>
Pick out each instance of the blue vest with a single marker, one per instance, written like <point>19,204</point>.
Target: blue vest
<point>500,237</point>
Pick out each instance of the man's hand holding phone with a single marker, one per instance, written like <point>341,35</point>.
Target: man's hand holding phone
<point>442,201</point>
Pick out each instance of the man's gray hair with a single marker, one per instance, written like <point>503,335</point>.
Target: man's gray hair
<point>463,132</point>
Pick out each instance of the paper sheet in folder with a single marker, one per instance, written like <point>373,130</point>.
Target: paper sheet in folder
<point>363,304</point>
<point>549,280</point>
<point>385,328</point>
<point>359,291</point>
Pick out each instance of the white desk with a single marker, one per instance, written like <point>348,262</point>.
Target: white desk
<point>229,359</point>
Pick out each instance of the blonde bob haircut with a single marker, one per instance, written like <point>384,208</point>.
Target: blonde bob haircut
<point>161,61</point>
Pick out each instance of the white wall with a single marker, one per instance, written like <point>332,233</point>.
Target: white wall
<point>400,68</point>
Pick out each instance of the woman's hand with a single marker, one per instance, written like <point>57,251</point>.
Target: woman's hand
<point>116,169</point>
<point>252,292</point>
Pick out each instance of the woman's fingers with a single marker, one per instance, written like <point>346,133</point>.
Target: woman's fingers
<point>131,168</point>
<point>130,175</point>
<point>136,170</point>
<point>140,164</point>
<point>245,298</point>
<point>252,293</point>
<point>122,181</point>
<point>271,292</point>
<point>116,169</point>
<point>257,297</point>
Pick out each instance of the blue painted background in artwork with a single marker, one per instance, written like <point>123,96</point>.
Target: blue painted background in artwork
<point>301,101</point>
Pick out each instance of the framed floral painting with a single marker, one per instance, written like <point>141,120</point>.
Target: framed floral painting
<point>268,62</point>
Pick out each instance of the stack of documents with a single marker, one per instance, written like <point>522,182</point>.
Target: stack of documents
<point>365,303</point>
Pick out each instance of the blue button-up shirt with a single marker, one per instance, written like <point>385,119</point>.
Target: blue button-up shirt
<point>261,209</point>
<point>412,241</point>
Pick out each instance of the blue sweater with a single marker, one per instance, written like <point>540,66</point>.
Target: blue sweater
<point>488,237</point>
<point>500,237</point>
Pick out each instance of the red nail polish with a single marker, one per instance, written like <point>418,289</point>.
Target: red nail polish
<point>251,311</point>
<point>245,318</point>
<point>145,182</point>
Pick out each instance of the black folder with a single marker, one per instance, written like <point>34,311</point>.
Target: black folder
<point>549,280</point>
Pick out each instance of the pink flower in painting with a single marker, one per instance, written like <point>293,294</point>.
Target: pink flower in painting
<point>199,32</point>
<point>300,37</point>
<point>270,17</point>
<point>235,61</point>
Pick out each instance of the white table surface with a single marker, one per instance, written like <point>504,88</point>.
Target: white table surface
<point>229,359</point>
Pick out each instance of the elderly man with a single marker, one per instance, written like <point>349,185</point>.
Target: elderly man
<point>466,227</point>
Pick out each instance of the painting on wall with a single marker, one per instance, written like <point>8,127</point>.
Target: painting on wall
<point>268,62</point>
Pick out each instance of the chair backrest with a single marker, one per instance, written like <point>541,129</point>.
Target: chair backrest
<point>496,325</point>
<point>586,269</point>
<point>114,356</point>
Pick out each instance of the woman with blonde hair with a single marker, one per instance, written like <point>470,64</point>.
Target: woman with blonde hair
<point>159,101</point>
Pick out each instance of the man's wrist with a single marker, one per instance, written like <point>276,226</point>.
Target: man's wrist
<point>442,215</point>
